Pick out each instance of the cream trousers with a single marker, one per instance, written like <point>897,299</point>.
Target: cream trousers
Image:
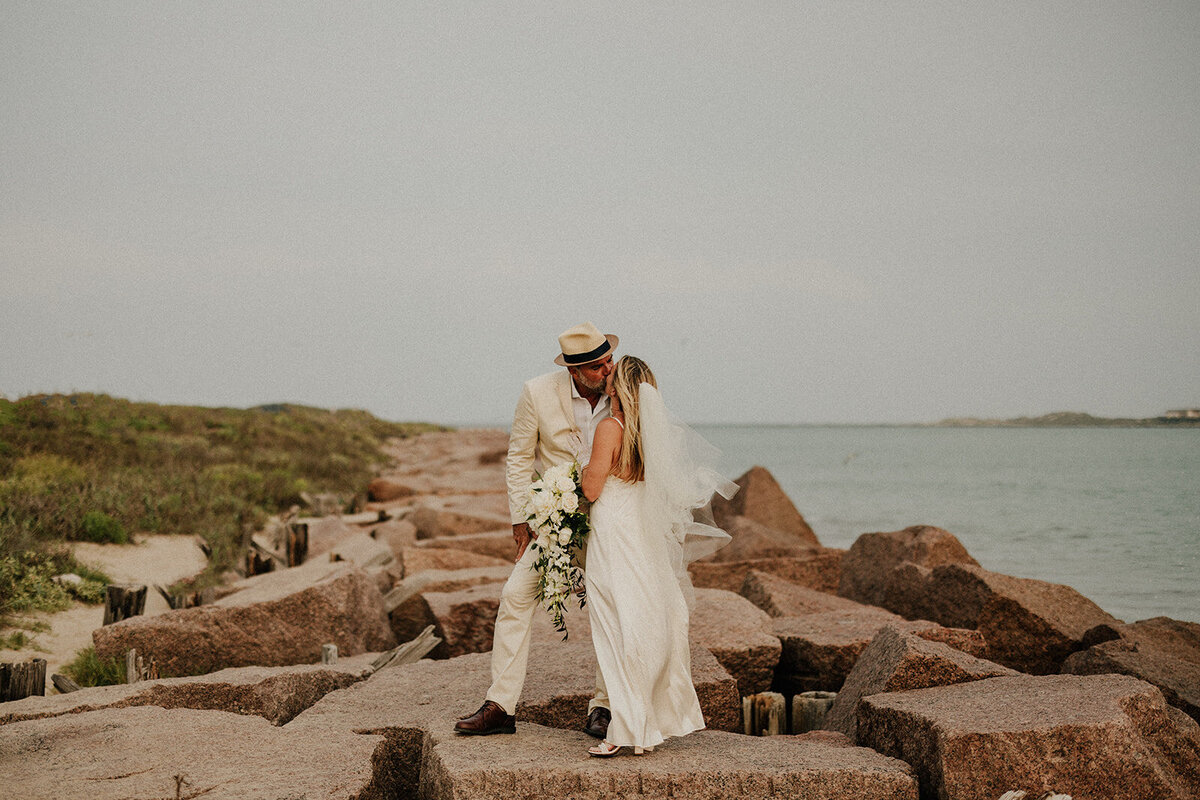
<point>510,642</point>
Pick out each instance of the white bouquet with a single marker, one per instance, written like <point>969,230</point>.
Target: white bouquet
<point>557,514</point>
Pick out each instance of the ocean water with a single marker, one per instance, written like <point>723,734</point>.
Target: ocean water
<point>1112,512</point>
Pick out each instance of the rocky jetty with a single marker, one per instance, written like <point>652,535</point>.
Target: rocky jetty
<point>952,681</point>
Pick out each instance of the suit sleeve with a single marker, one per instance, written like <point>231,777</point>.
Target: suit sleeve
<point>522,443</point>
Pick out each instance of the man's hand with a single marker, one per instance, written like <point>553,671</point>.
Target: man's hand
<point>522,535</point>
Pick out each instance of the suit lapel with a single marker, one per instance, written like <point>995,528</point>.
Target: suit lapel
<point>564,398</point>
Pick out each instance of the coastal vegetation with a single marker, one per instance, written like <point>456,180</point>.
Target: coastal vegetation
<point>89,467</point>
<point>1071,419</point>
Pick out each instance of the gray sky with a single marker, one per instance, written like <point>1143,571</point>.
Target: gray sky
<point>795,212</point>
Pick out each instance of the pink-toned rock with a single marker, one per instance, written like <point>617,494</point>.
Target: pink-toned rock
<point>1161,651</point>
<point>1029,625</point>
<point>419,559</point>
<point>873,556</point>
<point>896,661</point>
<point>819,569</point>
<point>362,550</point>
<point>1085,736</point>
<point>739,635</point>
<point>820,649</point>
<point>148,752</point>
<point>385,490</point>
<point>753,540</point>
<point>761,499</point>
<point>276,619</point>
<point>465,619</point>
<point>434,523</point>
<point>709,765</point>
<point>498,544</point>
<point>397,534</point>
<point>782,598</point>
<point>410,612</point>
<point>326,533</point>
<point>276,694</point>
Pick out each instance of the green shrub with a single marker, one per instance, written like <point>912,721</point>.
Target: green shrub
<point>27,584</point>
<point>88,669</point>
<point>100,527</point>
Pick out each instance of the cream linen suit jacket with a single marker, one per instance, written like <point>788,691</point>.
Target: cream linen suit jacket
<point>543,434</point>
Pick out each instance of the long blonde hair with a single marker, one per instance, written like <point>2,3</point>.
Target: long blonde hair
<point>629,373</point>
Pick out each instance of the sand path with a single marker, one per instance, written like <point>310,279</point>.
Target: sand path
<point>152,559</point>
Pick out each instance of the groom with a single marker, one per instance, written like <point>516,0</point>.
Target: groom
<point>553,424</point>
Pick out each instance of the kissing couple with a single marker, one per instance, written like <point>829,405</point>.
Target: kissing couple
<point>645,474</point>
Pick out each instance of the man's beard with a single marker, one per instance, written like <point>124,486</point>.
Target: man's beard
<point>597,386</point>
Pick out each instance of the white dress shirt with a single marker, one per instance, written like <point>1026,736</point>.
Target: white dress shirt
<point>587,418</point>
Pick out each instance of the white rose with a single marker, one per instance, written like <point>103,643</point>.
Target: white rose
<point>564,484</point>
<point>570,503</point>
<point>552,475</point>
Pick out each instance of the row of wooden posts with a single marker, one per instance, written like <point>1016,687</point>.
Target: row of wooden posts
<point>766,714</point>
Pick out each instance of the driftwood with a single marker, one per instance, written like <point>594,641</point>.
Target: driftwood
<point>764,714</point>
<point>186,599</point>
<point>122,601</point>
<point>329,654</point>
<point>412,650</point>
<point>22,679</point>
<point>136,670</point>
<point>64,684</point>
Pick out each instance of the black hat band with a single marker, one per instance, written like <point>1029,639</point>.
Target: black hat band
<point>591,355</point>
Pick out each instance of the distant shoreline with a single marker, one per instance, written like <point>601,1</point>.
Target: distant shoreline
<point>1069,419</point>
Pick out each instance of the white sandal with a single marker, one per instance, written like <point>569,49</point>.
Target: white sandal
<point>604,750</point>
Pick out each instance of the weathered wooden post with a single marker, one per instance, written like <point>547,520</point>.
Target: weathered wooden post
<point>22,679</point>
<point>297,543</point>
<point>809,710</point>
<point>64,684</point>
<point>122,601</point>
<point>764,714</point>
<point>329,654</point>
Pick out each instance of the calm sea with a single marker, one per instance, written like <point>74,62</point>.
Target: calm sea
<point>1112,512</point>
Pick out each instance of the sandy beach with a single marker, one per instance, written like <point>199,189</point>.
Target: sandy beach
<point>151,559</point>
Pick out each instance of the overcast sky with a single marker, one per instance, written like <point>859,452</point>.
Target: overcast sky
<point>795,212</point>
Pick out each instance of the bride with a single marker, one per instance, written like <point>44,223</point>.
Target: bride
<point>646,475</point>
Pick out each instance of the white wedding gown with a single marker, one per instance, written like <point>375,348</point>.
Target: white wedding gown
<point>639,621</point>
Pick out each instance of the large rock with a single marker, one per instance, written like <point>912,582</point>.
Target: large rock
<point>435,523</point>
<point>1085,736</point>
<point>754,540</point>
<point>276,619</point>
<point>739,635</point>
<point>147,752</point>
<point>821,648</point>
<point>896,661</point>
<point>326,533</point>
<point>276,694</point>
<point>818,569</point>
<point>410,612</point>
<point>782,598</point>
<point>397,534</point>
<point>1161,651</point>
<point>385,490</point>
<point>465,619</point>
<point>870,560</point>
<point>1029,625</point>
<point>419,559</point>
<point>362,550</point>
<point>495,544</point>
<point>761,499</point>
<point>414,707</point>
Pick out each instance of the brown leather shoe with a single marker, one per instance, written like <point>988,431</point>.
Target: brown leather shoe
<point>597,722</point>
<point>489,719</point>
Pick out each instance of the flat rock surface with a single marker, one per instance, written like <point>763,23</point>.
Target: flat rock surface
<point>275,693</point>
<point>540,761</point>
<point>146,752</point>
<point>1102,736</point>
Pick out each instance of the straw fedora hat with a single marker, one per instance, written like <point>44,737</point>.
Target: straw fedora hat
<point>584,344</point>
